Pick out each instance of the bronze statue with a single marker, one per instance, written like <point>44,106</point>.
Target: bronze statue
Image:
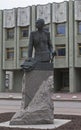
<point>37,105</point>
<point>40,41</point>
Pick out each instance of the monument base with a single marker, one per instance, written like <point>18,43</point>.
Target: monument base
<point>32,81</point>
<point>37,106</point>
<point>56,123</point>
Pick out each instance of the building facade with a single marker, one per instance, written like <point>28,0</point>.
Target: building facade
<point>63,20</point>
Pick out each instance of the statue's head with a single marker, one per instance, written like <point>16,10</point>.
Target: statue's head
<point>40,23</point>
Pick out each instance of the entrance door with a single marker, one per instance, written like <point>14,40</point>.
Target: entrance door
<point>65,82</point>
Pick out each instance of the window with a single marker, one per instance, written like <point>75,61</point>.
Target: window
<point>10,53</point>
<point>79,27</point>
<point>79,49</point>
<point>60,29</point>
<point>23,52</point>
<point>10,33</point>
<point>60,49</point>
<point>24,32</point>
<point>46,27</point>
<point>7,81</point>
<point>7,76</point>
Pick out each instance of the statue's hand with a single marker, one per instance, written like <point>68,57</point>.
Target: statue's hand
<point>52,55</point>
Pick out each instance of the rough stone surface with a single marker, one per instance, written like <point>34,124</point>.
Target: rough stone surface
<point>30,84</point>
<point>40,110</point>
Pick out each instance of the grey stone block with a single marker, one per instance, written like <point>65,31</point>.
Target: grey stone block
<point>31,83</point>
<point>40,110</point>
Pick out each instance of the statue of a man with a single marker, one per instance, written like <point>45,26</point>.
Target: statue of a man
<point>40,40</point>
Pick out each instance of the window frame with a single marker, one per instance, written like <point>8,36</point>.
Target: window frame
<point>8,50</point>
<point>21,52</point>
<point>57,48</point>
<point>78,27</point>
<point>79,46</point>
<point>60,34</point>
<point>21,33</point>
<point>7,80</point>
<point>8,37</point>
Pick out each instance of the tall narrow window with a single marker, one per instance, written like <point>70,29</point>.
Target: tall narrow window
<point>60,49</point>
<point>7,80</point>
<point>10,33</point>
<point>60,29</point>
<point>79,49</point>
<point>79,27</point>
<point>24,32</point>
<point>10,53</point>
<point>23,52</point>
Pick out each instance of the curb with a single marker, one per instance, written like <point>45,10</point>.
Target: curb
<point>75,97</point>
<point>70,100</point>
<point>61,98</point>
<point>54,99</point>
<point>10,98</point>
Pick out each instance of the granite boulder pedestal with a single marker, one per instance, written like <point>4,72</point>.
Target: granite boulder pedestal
<point>36,105</point>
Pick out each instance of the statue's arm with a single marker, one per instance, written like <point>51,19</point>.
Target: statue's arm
<point>30,47</point>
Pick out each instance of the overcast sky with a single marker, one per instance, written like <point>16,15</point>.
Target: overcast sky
<point>9,4</point>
